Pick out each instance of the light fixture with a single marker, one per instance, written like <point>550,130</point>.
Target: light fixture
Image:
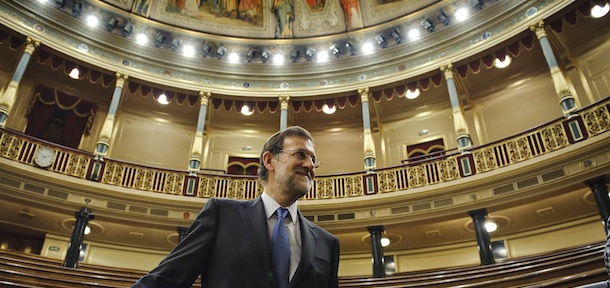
<point>159,39</point>
<point>396,36</point>
<point>412,94</point>
<point>600,10</point>
<point>205,49</point>
<point>367,48</point>
<point>278,59</point>
<point>350,48</point>
<point>77,7</point>
<point>309,54</point>
<point>443,17</point>
<point>233,57</point>
<point>127,29</point>
<point>414,34</point>
<point>490,226</point>
<point>176,42</point>
<point>60,3</point>
<point>461,14</point>
<point>477,4</point>
<point>92,20</point>
<point>265,56</point>
<point>502,64</point>
<point>423,132</point>
<point>322,56</point>
<point>111,24</point>
<point>428,25</point>
<point>220,52</point>
<point>250,55</point>
<point>87,230</point>
<point>294,55</point>
<point>336,52</point>
<point>163,99</point>
<point>141,38</point>
<point>74,74</point>
<point>245,110</point>
<point>381,41</point>
<point>329,110</point>
<point>385,242</point>
<point>188,50</point>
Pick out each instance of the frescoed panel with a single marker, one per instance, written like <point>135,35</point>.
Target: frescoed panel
<point>125,4</point>
<point>378,11</point>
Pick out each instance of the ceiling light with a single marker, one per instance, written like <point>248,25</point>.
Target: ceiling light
<point>233,57</point>
<point>381,41</point>
<point>278,59</point>
<point>245,110</point>
<point>443,17</point>
<point>163,99</point>
<point>127,29</point>
<point>265,56</point>
<point>74,74</point>
<point>176,42</point>
<point>423,132</point>
<point>385,242</point>
<point>188,50</point>
<point>396,36</point>
<point>205,49</point>
<point>598,11</point>
<point>461,14</point>
<point>428,25</point>
<point>490,226</point>
<point>412,94</point>
<point>92,20</point>
<point>502,64</point>
<point>414,34</point>
<point>159,39</point>
<point>87,230</point>
<point>309,53</point>
<point>350,48</point>
<point>294,55</point>
<point>367,48</point>
<point>111,24</point>
<point>322,56</point>
<point>336,52</point>
<point>329,110</point>
<point>141,38</point>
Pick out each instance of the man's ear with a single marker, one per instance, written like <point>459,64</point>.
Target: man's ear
<point>268,160</point>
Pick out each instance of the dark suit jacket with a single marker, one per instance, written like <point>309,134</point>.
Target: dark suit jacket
<point>229,245</point>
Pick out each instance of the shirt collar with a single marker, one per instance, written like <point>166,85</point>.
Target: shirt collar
<point>271,206</point>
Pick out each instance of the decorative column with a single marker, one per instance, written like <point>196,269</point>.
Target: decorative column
<point>566,100</point>
<point>7,100</point>
<point>483,241</point>
<point>369,144</point>
<point>78,235</point>
<point>377,249</point>
<point>197,149</point>
<point>182,233</point>
<point>284,111</point>
<point>461,128</point>
<point>106,133</point>
<point>599,187</point>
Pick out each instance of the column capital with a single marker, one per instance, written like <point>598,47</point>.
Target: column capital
<point>479,213</point>
<point>121,78</point>
<point>447,71</point>
<point>539,29</point>
<point>284,99</point>
<point>204,97</point>
<point>364,94</point>
<point>31,45</point>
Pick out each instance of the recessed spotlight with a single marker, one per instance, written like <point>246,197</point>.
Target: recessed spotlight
<point>490,226</point>
<point>141,38</point>
<point>278,59</point>
<point>599,11</point>
<point>188,50</point>
<point>385,242</point>
<point>329,110</point>
<point>92,20</point>
<point>245,110</point>
<point>163,99</point>
<point>74,74</point>
<point>367,48</point>
<point>413,34</point>
<point>461,14</point>
<point>412,94</point>
<point>233,57</point>
<point>502,64</point>
<point>322,56</point>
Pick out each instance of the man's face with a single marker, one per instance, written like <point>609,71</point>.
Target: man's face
<point>295,169</point>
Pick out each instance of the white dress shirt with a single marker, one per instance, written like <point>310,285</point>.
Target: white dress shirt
<point>292,227</point>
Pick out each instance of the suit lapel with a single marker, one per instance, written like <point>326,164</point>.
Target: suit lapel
<point>255,223</point>
<point>308,242</point>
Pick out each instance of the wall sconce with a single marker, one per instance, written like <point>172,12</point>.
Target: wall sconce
<point>309,54</point>
<point>250,55</point>
<point>396,36</point>
<point>265,56</point>
<point>336,52</point>
<point>220,52</point>
<point>350,48</point>
<point>205,49</point>
<point>127,29</point>
<point>381,41</point>
<point>176,42</point>
<point>111,24</point>
<point>443,17</point>
<point>294,55</point>
<point>159,39</point>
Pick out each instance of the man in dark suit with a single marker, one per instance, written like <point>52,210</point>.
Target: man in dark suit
<point>233,243</point>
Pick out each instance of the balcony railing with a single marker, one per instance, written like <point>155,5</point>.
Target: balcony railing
<point>555,135</point>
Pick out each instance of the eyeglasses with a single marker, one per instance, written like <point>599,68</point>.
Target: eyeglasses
<point>302,155</point>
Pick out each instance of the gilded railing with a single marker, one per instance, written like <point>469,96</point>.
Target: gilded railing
<point>590,122</point>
